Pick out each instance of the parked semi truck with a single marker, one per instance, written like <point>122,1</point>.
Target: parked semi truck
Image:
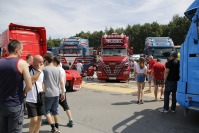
<point>158,47</point>
<point>32,38</point>
<point>188,85</point>
<point>34,42</point>
<point>113,60</point>
<point>75,49</point>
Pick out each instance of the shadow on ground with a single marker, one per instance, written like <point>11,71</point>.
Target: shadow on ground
<point>146,122</point>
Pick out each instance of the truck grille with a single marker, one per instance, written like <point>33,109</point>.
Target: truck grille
<point>112,69</point>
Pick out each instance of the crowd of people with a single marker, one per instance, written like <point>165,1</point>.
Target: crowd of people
<point>161,75</point>
<point>30,79</point>
<point>36,75</point>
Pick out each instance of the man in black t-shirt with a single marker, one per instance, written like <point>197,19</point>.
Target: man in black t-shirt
<point>171,77</point>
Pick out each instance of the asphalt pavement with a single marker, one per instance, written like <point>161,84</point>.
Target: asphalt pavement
<point>110,107</point>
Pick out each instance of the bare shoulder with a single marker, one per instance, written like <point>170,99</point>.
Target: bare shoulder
<point>22,64</point>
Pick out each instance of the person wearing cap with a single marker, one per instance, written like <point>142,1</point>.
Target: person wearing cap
<point>171,76</point>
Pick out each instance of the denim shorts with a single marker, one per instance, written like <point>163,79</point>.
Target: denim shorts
<point>140,77</point>
<point>51,105</point>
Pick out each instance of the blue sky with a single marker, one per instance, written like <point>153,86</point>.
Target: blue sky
<point>64,18</point>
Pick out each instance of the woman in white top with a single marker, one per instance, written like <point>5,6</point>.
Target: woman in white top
<point>141,72</point>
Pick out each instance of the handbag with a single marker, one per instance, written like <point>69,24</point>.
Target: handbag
<point>40,95</point>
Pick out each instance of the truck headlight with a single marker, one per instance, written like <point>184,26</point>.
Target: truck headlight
<point>99,72</point>
<point>125,72</point>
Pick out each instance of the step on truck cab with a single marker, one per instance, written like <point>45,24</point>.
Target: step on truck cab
<point>32,38</point>
<point>188,85</point>
<point>113,62</point>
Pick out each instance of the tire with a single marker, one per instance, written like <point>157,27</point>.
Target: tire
<point>68,87</point>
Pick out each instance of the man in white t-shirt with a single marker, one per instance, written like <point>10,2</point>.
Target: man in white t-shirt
<point>35,111</point>
<point>79,67</point>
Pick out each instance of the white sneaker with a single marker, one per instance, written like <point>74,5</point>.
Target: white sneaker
<point>163,110</point>
<point>173,111</point>
<point>55,130</point>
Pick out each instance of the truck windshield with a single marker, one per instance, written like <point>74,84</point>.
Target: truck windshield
<point>160,53</point>
<point>114,52</point>
<point>72,51</point>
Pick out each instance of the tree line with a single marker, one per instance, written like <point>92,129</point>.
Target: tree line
<point>176,29</point>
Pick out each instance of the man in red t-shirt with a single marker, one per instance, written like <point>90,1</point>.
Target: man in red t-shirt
<point>150,71</point>
<point>158,73</point>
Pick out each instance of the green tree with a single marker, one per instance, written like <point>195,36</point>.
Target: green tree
<point>50,42</point>
<point>178,28</point>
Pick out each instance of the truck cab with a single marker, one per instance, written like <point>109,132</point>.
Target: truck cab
<point>113,62</point>
<point>32,38</point>
<point>188,85</point>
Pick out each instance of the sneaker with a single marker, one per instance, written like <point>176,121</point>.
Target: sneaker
<point>70,123</point>
<point>44,121</point>
<point>138,102</point>
<point>163,110</point>
<point>55,130</point>
<point>141,101</point>
<point>173,111</point>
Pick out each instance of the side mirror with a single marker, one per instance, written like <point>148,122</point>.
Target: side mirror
<point>195,32</point>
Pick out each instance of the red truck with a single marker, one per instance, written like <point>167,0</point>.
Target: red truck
<point>34,43</point>
<point>32,38</point>
<point>113,62</point>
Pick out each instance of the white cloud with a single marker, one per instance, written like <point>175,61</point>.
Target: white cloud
<point>65,18</point>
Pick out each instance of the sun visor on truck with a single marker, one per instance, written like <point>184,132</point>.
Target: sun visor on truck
<point>190,12</point>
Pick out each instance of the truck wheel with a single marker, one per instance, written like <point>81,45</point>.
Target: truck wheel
<point>69,88</point>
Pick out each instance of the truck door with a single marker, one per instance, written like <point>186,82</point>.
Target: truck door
<point>193,59</point>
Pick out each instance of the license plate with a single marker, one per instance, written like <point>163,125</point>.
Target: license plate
<point>112,78</point>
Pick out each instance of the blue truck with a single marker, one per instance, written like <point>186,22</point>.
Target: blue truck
<point>75,49</point>
<point>188,86</point>
<point>158,47</point>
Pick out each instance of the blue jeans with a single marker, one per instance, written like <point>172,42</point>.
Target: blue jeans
<point>170,87</point>
<point>51,105</point>
<point>11,119</point>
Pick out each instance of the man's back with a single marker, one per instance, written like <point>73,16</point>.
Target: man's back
<point>51,80</point>
<point>173,66</point>
<point>11,82</point>
<point>159,69</point>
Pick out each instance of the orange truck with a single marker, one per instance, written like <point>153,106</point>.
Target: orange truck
<point>32,38</point>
